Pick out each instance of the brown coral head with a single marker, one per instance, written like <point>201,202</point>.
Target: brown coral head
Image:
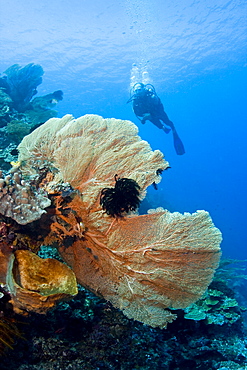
<point>121,199</point>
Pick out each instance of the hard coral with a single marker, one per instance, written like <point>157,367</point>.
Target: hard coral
<point>19,200</point>
<point>217,306</point>
<point>142,264</point>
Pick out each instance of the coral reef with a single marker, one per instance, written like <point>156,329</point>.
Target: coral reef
<point>20,84</point>
<point>5,104</point>
<point>148,265</point>
<point>19,112</point>
<point>7,155</point>
<point>141,264</point>
<point>41,108</point>
<point>20,200</point>
<point>88,333</point>
<point>215,307</point>
<point>17,129</point>
<point>46,102</point>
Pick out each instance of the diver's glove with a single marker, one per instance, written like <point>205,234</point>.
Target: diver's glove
<point>145,118</point>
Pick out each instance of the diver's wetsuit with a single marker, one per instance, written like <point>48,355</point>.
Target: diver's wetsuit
<point>148,106</point>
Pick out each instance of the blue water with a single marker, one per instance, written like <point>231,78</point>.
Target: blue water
<point>195,55</point>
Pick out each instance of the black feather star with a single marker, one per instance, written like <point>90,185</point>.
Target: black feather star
<point>121,199</point>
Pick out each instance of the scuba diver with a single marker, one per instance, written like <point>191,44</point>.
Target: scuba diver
<point>147,106</point>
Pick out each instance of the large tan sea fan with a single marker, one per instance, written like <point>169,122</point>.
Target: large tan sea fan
<point>142,264</point>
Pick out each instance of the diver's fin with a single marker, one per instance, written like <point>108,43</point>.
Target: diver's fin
<point>178,145</point>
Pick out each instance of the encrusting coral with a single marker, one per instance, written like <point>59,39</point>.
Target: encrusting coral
<point>143,264</point>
